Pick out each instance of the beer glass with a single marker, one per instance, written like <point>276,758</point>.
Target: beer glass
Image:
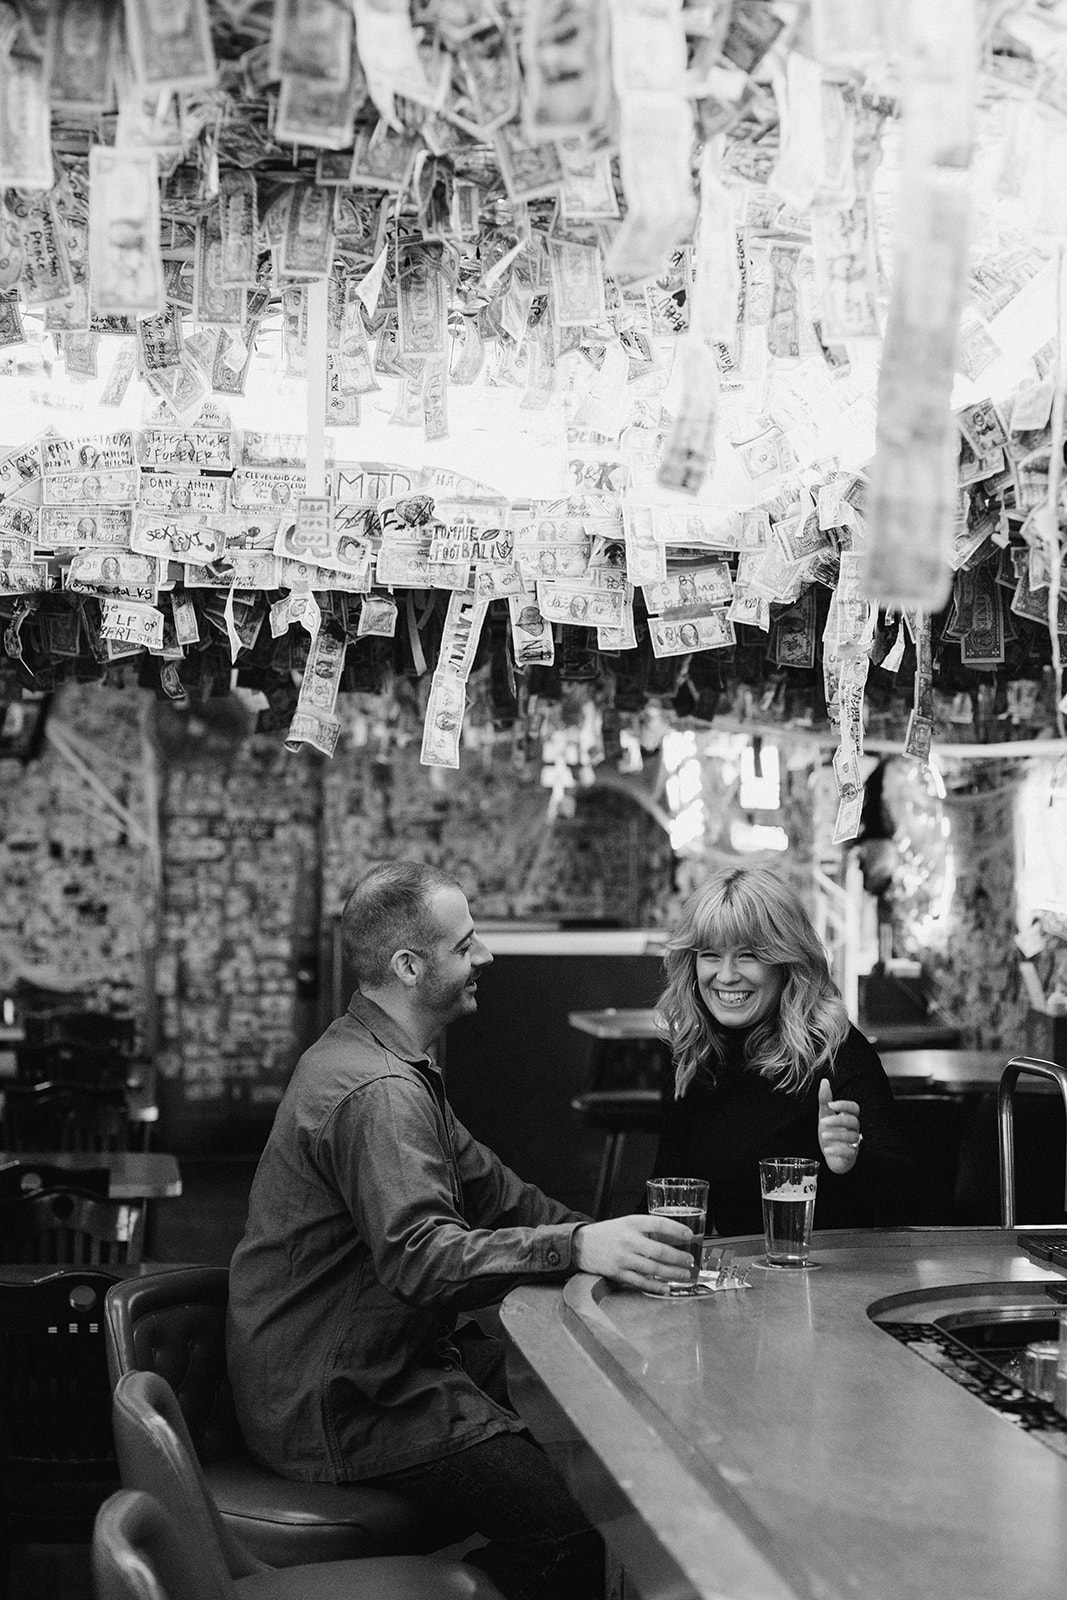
<point>683,1200</point>
<point>787,1184</point>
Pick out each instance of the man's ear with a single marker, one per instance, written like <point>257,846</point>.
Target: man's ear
<point>407,967</point>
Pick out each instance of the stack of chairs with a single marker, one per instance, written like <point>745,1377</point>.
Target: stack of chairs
<point>62,1116</point>
<point>77,1047</point>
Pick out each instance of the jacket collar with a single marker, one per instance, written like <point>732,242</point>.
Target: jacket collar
<point>388,1033</point>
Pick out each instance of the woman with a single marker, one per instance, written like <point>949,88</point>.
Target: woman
<point>766,1063</point>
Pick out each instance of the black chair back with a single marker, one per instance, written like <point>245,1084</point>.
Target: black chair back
<point>67,1227</point>
<point>65,1116</point>
<point>174,1323</point>
<point>156,1454</point>
<point>57,1456</point>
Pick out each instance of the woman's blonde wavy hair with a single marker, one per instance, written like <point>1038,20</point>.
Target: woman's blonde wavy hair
<point>751,908</point>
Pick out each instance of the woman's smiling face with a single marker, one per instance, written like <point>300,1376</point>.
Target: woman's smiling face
<point>737,987</point>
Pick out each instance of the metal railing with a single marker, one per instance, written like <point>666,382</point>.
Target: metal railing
<point>1009,1078</point>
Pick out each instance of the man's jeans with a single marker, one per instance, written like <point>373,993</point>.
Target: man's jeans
<point>540,1545</point>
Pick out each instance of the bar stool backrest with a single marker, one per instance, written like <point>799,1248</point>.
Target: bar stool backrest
<point>140,1553</point>
<point>156,1454</point>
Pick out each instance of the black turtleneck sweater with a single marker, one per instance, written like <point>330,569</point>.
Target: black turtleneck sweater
<point>719,1131</point>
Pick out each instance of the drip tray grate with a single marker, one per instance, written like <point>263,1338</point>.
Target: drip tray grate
<point>1017,1405</point>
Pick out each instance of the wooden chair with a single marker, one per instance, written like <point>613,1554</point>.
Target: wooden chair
<point>156,1455</point>
<point>67,1227</point>
<point>18,1178</point>
<point>92,1029</point>
<point>65,1116</point>
<point>57,1458</point>
<point>68,1062</point>
<point>174,1324</point>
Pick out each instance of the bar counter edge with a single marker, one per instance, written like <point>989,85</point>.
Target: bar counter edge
<point>776,1444</point>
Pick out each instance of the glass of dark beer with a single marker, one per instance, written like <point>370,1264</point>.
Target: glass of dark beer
<point>787,1184</point>
<point>683,1200</point>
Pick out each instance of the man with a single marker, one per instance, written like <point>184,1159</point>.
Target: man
<point>374,1220</point>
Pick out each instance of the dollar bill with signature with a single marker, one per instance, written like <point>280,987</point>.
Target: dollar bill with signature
<point>713,631</point>
<point>710,585</point>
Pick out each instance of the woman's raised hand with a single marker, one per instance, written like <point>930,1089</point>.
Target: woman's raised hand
<point>839,1130</point>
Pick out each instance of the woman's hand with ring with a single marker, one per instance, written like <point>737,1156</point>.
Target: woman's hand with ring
<point>839,1130</point>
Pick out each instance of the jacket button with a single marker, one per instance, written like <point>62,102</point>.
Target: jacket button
<point>553,1258</point>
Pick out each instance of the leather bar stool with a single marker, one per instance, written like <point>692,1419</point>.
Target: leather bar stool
<point>174,1324</point>
<point>156,1456</point>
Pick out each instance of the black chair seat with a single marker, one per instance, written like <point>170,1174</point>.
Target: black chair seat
<point>288,1523</point>
<point>628,1110</point>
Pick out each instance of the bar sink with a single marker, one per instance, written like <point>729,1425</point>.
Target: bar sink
<point>982,1337</point>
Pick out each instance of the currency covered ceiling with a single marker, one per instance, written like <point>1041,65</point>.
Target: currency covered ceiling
<point>783,283</point>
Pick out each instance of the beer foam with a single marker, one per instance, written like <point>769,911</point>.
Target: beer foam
<point>792,1191</point>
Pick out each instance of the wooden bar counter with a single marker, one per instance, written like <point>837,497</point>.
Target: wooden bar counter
<point>775,1443</point>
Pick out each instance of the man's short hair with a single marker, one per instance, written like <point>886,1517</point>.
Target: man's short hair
<point>388,910</point>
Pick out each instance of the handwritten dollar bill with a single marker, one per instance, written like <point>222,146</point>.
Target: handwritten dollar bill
<point>714,631</point>
<point>710,585</point>
<point>188,537</point>
<point>532,639</point>
<point>73,527</point>
<point>132,623</point>
<point>182,492</point>
<point>117,486</point>
<point>581,606</point>
<point>127,577</point>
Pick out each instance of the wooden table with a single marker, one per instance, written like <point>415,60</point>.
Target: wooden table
<point>966,1071</point>
<point>135,1174</point>
<point>639,1022</point>
<point>774,1443</point>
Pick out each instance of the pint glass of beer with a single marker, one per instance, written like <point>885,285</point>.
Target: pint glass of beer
<point>683,1200</point>
<point>787,1184</point>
